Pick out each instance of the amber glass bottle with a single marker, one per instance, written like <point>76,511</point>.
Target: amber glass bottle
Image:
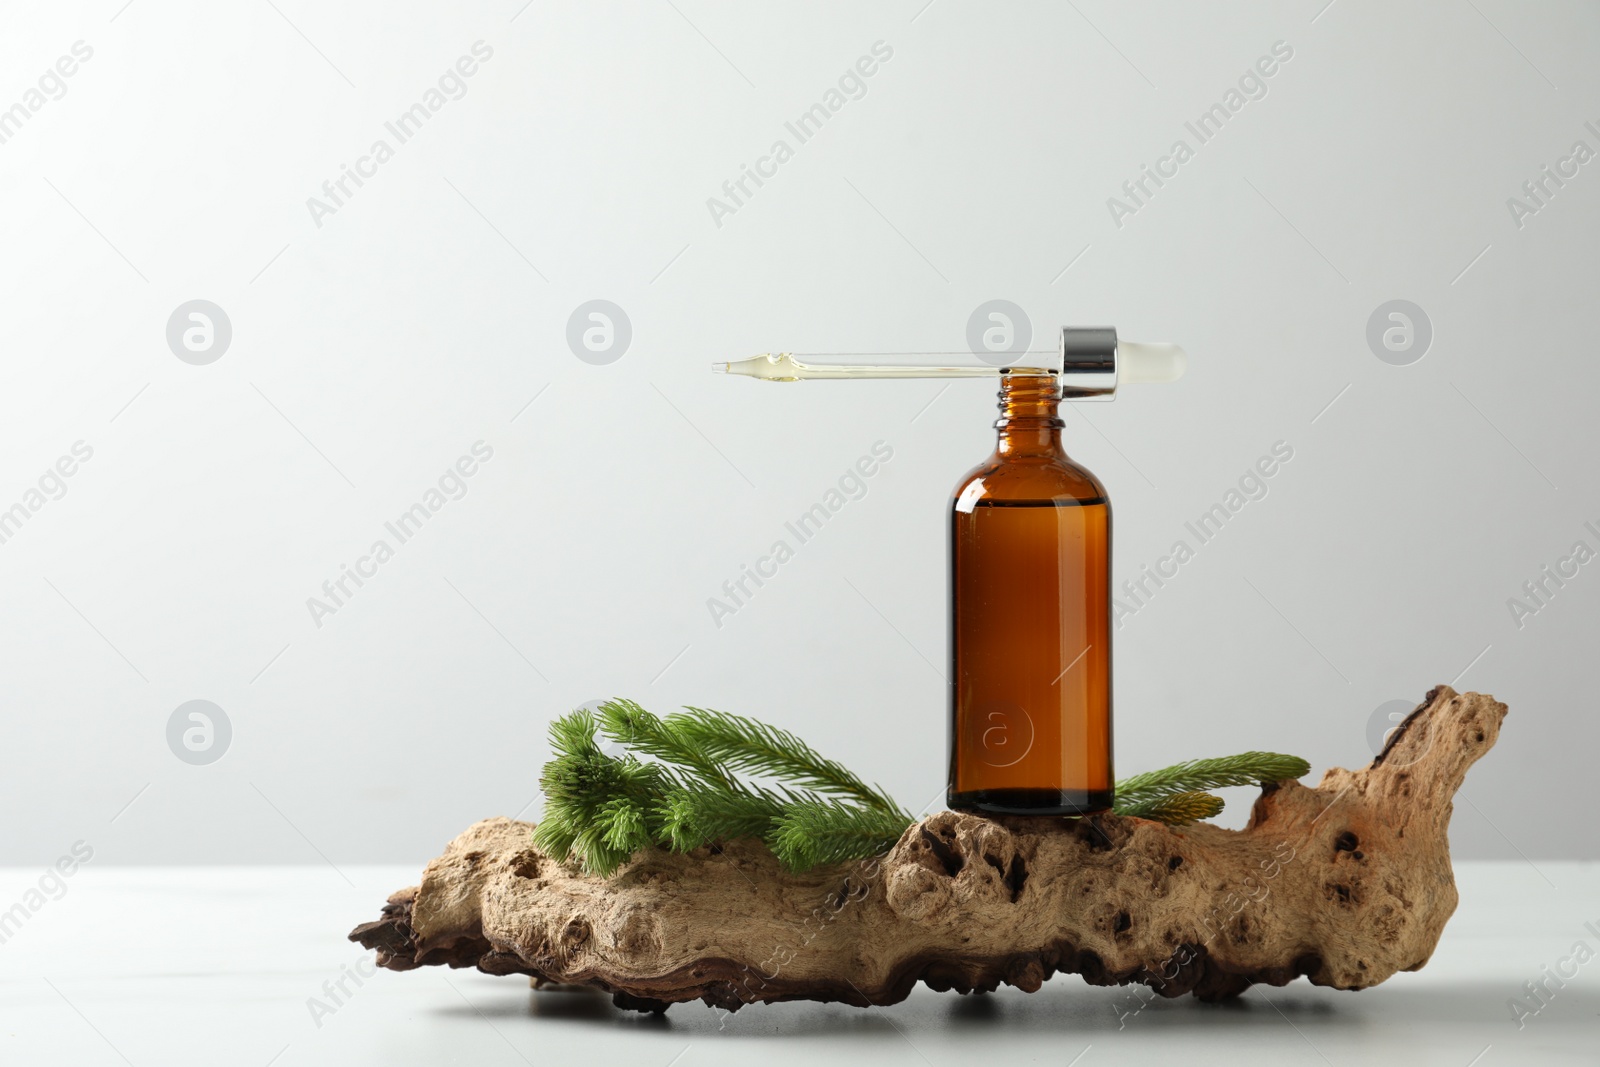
<point>1030,628</point>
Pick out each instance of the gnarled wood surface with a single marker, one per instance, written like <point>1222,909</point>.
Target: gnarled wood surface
<point>1346,884</point>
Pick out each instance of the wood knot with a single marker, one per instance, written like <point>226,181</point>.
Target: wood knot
<point>635,932</point>
<point>915,893</point>
<point>575,933</point>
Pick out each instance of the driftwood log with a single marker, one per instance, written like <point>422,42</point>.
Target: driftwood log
<point>1345,884</point>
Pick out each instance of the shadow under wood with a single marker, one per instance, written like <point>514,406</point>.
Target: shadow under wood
<point>1063,1005</point>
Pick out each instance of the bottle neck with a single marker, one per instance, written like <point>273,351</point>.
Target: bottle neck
<point>1028,423</point>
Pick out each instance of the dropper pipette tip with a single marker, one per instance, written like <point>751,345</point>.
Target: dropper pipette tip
<point>720,368</point>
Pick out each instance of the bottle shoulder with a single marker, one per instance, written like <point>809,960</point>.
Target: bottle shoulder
<point>1051,480</point>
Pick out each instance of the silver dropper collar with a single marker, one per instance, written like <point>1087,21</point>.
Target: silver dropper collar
<point>1087,367</point>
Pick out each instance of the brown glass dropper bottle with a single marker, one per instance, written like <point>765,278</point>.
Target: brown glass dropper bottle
<point>1030,580</point>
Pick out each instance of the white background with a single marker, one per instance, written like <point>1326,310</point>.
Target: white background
<point>371,352</point>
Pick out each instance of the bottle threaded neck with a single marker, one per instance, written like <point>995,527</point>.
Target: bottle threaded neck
<point>1035,396</point>
<point>1028,421</point>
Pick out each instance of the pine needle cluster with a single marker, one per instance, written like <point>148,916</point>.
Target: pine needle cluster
<point>698,777</point>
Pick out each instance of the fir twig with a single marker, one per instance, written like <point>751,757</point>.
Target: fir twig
<point>751,747</point>
<point>1247,768</point>
<point>628,724</point>
<point>692,817</point>
<point>597,807</point>
<point>813,833</point>
<point>1174,809</point>
<point>1143,794</point>
<point>602,809</point>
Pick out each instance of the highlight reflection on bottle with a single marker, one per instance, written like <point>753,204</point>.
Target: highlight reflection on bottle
<point>1030,563</point>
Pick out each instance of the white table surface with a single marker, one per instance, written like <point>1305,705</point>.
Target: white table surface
<point>218,966</point>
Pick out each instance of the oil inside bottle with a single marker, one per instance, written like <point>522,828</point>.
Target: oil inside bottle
<point>1030,552</point>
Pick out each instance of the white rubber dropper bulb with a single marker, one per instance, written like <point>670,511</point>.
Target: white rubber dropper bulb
<point>1149,362</point>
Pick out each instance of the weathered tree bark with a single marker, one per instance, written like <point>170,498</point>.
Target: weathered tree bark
<point>1346,884</point>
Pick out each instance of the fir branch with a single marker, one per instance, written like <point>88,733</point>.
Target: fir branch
<point>595,856</point>
<point>572,736</point>
<point>1174,809</point>
<point>751,747</point>
<point>603,809</point>
<point>623,820</point>
<point>817,832</point>
<point>694,817</point>
<point>626,723</point>
<point>588,794</point>
<point>1247,768</point>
